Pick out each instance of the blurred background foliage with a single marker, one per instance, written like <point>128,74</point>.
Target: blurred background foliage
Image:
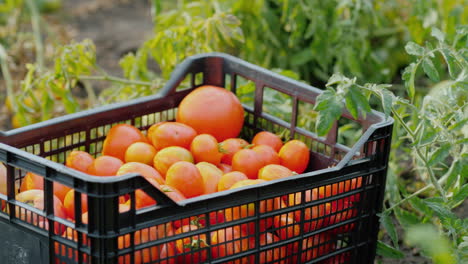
<point>418,47</point>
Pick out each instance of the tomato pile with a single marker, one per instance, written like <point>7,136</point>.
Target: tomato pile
<point>198,154</point>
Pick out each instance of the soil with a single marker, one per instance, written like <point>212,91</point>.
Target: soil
<point>120,26</point>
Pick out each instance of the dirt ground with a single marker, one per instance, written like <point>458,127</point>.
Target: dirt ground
<point>120,26</point>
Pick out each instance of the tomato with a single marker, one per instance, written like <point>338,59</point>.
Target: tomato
<point>248,162</point>
<point>269,139</point>
<point>229,179</point>
<point>171,134</point>
<point>144,170</point>
<point>151,130</point>
<point>173,193</point>
<point>295,156</point>
<point>79,160</point>
<point>69,204</point>
<point>211,176</point>
<point>225,168</point>
<point>267,154</point>
<point>119,138</point>
<point>273,172</point>
<point>140,152</point>
<point>212,110</point>
<point>105,166</point>
<point>185,177</point>
<point>166,157</point>
<point>229,147</point>
<point>204,147</point>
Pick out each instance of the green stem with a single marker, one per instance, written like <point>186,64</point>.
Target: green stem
<point>90,92</point>
<point>7,77</point>
<point>35,22</point>
<point>421,156</point>
<point>114,79</point>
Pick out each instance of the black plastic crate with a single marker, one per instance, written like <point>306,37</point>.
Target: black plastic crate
<point>336,200</point>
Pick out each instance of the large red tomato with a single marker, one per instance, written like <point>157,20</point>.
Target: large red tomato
<point>212,110</point>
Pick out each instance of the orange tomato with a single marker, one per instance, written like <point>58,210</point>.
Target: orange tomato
<point>105,166</point>
<point>212,110</point>
<point>244,183</point>
<point>269,139</point>
<point>185,177</point>
<point>69,204</point>
<point>225,168</point>
<point>204,147</point>
<point>211,176</point>
<point>164,159</point>
<point>295,156</point>
<point>172,134</point>
<point>119,138</point>
<point>248,162</point>
<point>79,160</point>
<point>267,154</point>
<point>34,181</point>
<point>173,193</point>
<point>144,170</point>
<point>151,130</point>
<point>229,179</point>
<point>229,147</point>
<point>273,172</point>
<point>140,152</point>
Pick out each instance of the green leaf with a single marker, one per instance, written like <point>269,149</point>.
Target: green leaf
<point>408,76</point>
<point>434,245</point>
<point>406,218</point>
<point>453,173</point>
<point>356,100</point>
<point>439,35</point>
<point>352,106</point>
<point>451,62</point>
<point>326,118</point>
<point>439,155</point>
<point>324,99</point>
<point>387,101</point>
<point>335,78</point>
<point>441,210</point>
<point>460,195</point>
<point>430,70</point>
<point>414,49</point>
<point>419,205</point>
<point>388,251</point>
<point>389,227</point>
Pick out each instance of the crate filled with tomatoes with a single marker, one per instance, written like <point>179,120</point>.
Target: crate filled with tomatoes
<point>220,166</point>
